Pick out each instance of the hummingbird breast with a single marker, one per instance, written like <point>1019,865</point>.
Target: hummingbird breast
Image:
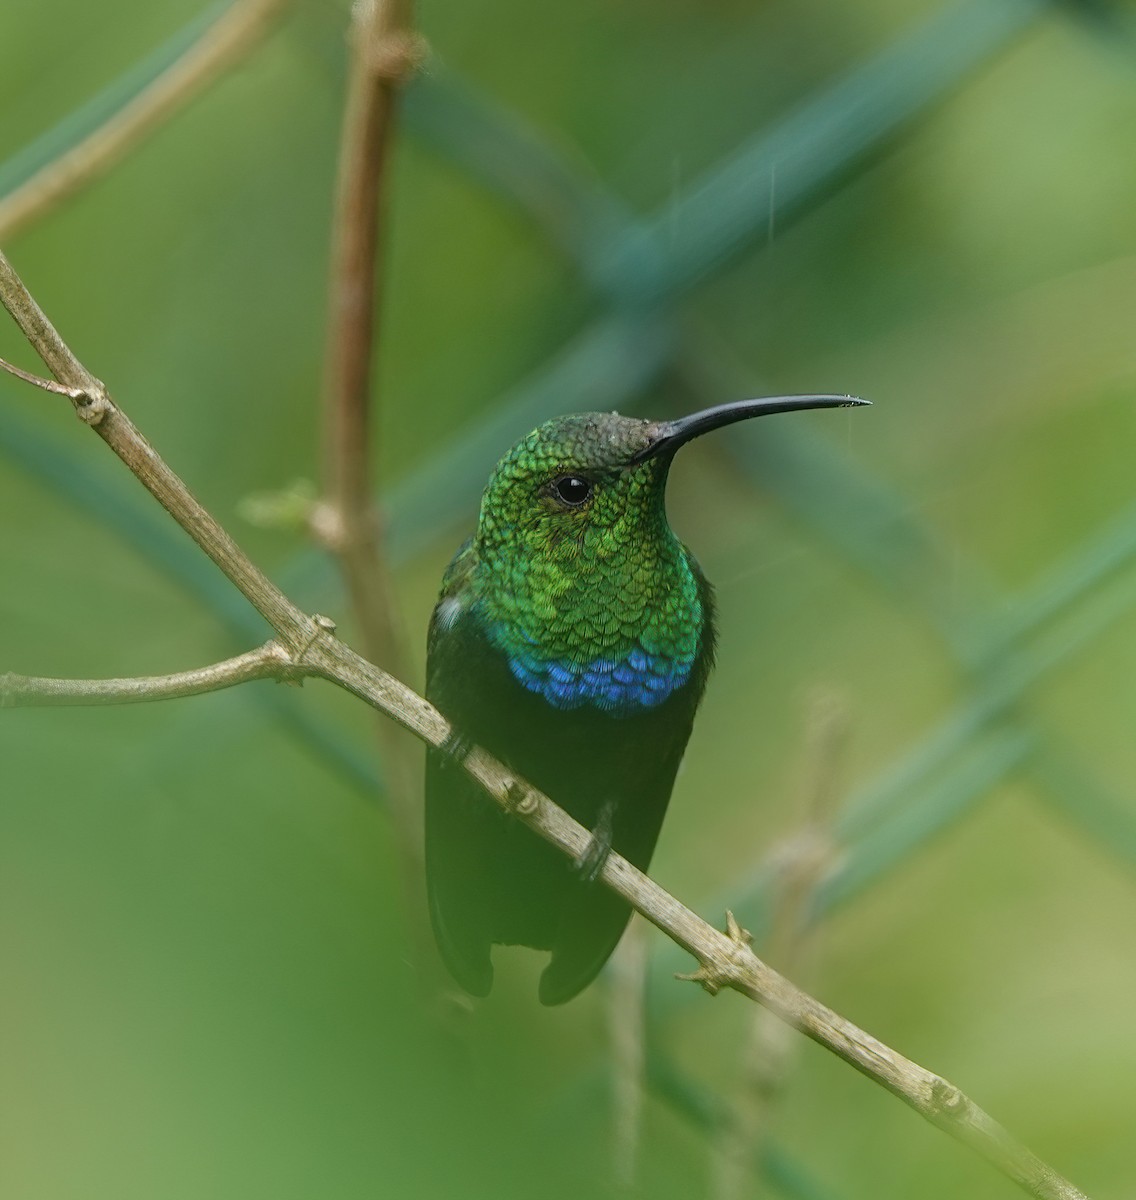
<point>619,637</point>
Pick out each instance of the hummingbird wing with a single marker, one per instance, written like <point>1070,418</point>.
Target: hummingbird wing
<point>456,816</point>
<point>456,854</point>
<point>593,917</point>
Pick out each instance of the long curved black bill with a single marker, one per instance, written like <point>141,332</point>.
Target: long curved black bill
<point>672,434</point>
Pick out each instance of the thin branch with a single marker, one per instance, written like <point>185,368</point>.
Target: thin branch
<point>47,385</point>
<point>726,959</point>
<point>270,661</point>
<point>221,46</point>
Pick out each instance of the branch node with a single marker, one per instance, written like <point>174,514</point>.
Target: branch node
<point>946,1098</point>
<point>520,799</point>
<point>321,625</point>
<point>398,57</point>
<point>707,976</point>
<point>457,747</point>
<point>293,672</point>
<point>91,404</point>
<point>715,975</point>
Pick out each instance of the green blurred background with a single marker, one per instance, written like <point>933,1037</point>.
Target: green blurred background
<point>208,987</point>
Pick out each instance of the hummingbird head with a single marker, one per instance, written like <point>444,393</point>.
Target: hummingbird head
<point>583,487</point>
<point>579,573</point>
<point>574,490</point>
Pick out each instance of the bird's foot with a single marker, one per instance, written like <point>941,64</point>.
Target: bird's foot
<point>456,747</point>
<point>590,864</point>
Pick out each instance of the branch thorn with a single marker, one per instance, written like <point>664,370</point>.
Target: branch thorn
<point>707,976</point>
<point>735,932</point>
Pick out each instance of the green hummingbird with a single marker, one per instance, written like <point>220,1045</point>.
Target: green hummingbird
<point>572,640</point>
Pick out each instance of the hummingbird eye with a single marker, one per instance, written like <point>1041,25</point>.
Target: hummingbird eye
<point>572,490</point>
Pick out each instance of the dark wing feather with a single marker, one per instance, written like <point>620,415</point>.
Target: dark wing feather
<point>594,917</point>
<point>456,858</point>
<point>456,827</point>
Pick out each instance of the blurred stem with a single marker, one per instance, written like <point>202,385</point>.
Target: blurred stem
<point>385,52</point>
<point>802,861</point>
<point>225,43</point>
<point>627,996</point>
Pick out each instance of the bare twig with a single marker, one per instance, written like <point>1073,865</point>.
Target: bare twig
<point>222,45</point>
<point>726,959</point>
<point>47,385</point>
<point>270,661</point>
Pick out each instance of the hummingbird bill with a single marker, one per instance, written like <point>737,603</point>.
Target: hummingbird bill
<point>572,640</point>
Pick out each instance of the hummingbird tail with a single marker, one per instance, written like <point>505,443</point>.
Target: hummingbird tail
<point>589,930</point>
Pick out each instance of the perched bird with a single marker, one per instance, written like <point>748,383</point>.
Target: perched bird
<point>572,640</point>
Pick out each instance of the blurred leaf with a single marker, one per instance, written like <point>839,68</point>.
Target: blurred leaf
<point>978,771</point>
<point>104,492</point>
<point>88,117</point>
<point>791,166</point>
<point>1105,818</point>
<point>494,147</point>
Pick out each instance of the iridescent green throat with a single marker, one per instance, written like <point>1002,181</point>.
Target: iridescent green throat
<point>597,606</point>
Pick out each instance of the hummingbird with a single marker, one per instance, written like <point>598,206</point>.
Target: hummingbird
<point>572,640</point>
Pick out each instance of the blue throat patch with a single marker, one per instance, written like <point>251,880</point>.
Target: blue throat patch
<point>622,688</point>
